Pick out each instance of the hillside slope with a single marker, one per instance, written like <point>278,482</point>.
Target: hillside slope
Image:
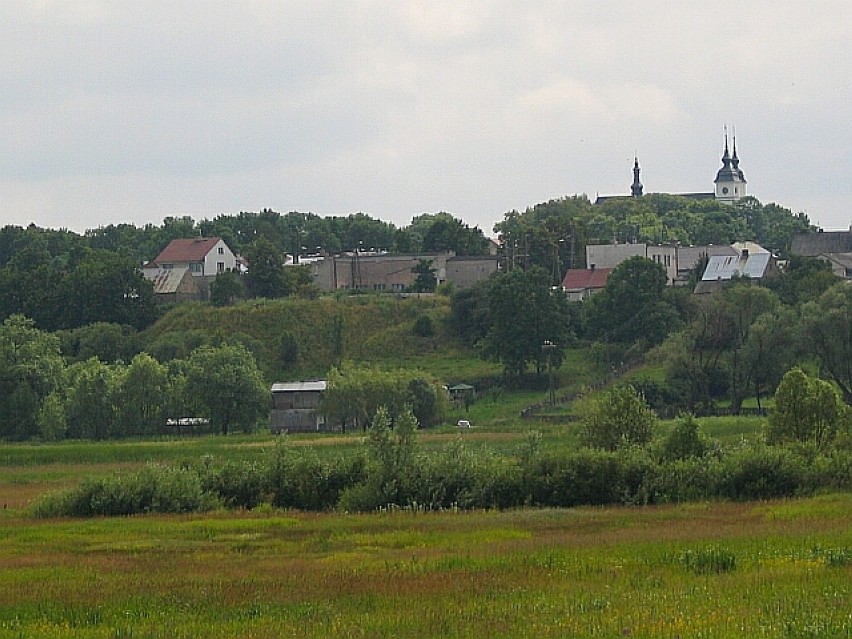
<point>367,328</point>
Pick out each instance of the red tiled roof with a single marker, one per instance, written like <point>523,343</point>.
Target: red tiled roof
<point>585,278</point>
<point>187,250</point>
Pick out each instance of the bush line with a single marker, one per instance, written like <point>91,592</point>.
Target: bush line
<point>455,478</point>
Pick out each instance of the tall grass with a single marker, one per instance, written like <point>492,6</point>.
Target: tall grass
<point>596,572</point>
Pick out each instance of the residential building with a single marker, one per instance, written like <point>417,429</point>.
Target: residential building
<point>751,261</point>
<point>821,243</point>
<point>580,284</point>
<point>678,261</point>
<point>841,264</point>
<point>393,272</point>
<point>203,256</point>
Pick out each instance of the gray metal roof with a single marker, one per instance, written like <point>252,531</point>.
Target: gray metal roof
<point>724,267</point>
<point>297,387</point>
<point>165,280</point>
<point>688,256</point>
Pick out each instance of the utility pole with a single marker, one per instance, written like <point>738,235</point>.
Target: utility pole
<point>547,348</point>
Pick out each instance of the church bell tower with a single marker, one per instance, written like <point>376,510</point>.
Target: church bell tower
<point>636,187</point>
<point>730,180</point>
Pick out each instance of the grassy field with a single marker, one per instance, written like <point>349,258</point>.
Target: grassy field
<point>776,569</point>
<point>771,569</point>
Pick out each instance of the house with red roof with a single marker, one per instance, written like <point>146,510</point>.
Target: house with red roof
<point>581,283</point>
<point>203,256</point>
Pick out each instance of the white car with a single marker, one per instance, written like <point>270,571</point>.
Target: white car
<point>463,423</point>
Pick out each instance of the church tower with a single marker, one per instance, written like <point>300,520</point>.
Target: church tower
<point>730,180</point>
<point>636,187</point>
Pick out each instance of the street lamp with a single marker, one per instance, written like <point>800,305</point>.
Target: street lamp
<point>547,349</point>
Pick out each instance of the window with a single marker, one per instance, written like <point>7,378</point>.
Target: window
<point>725,190</point>
<point>221,250</point>
<point>196,267</point>
<point>168,267</point>
<point>220,267</point>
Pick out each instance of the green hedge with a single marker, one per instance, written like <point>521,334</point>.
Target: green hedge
<point>457,478</point>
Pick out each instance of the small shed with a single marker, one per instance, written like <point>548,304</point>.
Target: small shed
<point>462,394</point>
<point>173,284</point>
<point>296,407</point>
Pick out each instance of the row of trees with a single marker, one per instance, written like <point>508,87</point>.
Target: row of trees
<point>74,289</point>
<point>553,234</point>
<point>42,397</point>
<point>808,411</point>
<point>297,233</point>
<point>738,343</point>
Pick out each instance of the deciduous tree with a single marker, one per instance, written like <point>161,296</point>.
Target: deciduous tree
<point>619,418</point>
<point>227,386</point>
<point>525,313</point>
<point>828,326</point>
<point>807,409</point>
<point>31,369</point>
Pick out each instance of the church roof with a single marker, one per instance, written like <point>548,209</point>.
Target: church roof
<point>730,171</point>
<point>813,244</point>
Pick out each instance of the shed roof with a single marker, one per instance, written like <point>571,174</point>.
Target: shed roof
<point>187,250</point>
<point>298,387</point>
<point>165,280</point>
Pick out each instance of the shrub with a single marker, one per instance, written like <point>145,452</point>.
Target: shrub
<point>684,480</point>
<point>236,484</point>
<point>763,473</point>
<point>306,483</point>
<point>424,327</point>
<point>589,478</point>
<point>154,489</point>
<point>684,441</point>
<point>619,418</point>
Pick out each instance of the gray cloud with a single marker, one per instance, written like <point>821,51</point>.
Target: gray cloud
<point>119,111</point>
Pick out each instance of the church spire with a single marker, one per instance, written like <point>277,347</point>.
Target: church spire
<point>636,187</point>
<point>735,161</point>
<point>726,156</point>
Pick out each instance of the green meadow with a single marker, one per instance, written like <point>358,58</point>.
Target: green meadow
<point>707,569</point>
<point>774,569</point>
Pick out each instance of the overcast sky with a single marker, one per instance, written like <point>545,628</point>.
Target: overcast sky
<point>117,111</point>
